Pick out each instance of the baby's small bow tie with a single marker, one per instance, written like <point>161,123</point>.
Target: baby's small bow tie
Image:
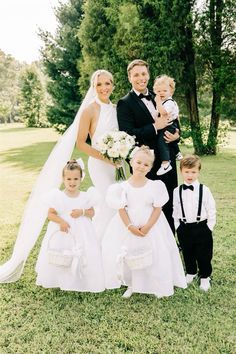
<point>188,187</point>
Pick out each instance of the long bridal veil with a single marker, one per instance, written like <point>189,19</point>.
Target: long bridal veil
<point>35,212</point>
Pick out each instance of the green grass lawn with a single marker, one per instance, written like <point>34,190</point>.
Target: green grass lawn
<point>36,320</point>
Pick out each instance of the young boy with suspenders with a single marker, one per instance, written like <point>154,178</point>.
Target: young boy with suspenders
<point>194,214</point>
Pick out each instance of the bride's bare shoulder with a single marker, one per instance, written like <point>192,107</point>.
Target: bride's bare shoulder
<point>92,110</point>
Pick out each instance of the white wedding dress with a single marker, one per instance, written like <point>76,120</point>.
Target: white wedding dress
<point>101,173</point>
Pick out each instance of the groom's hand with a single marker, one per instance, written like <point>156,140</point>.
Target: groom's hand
<point>171,137</point>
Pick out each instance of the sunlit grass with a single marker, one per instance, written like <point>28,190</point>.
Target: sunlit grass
<point>35,320</point>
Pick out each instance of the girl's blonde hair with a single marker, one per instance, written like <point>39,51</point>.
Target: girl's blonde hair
<point>97,73</point>
<point>164,79</point>
<point>145,149</point>
<point>72,165</point>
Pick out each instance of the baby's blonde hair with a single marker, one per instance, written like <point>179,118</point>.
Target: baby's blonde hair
<point>164,79</point>
<point>145,149</point>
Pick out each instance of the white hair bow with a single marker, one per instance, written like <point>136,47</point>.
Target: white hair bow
<point>136,149</point>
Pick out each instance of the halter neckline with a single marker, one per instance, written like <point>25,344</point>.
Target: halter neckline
<point>102,103</point>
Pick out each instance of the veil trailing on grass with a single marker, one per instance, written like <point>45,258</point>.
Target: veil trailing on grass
<point>35,212</point>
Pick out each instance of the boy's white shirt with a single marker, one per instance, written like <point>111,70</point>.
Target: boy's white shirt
<point>171,108</point>
<point>190,203</point>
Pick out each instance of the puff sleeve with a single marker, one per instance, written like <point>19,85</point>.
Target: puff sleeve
<point>116,196</point>
<point>160,194</point>
<point>94,198</point>
<point>52,199</point>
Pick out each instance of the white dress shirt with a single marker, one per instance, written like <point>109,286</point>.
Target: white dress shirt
<point>171,108</point>
<point>190,204</point>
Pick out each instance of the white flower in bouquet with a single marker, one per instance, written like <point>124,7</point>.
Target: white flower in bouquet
<point>117,136</point>
<point>116,146</point>
<point>124,150</point>
<point>114,151</point>
<point>102,147</point>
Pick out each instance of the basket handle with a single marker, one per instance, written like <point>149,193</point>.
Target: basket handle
<point>68,234</point>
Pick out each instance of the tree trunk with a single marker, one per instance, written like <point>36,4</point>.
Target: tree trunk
<point>190,86</point>
<point>215,11</point>
<point>214,125</point>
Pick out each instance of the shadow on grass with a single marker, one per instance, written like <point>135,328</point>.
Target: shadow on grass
<point>18,129</point>
<point>31,157</point>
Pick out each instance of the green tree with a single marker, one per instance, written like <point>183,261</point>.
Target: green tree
<point>31,97</point>
<point>9,87</point>
<point>60,60</point>
<point>96,37</point>
<point>216,49</point>
<point>193,44</point>
<point>111,36</point>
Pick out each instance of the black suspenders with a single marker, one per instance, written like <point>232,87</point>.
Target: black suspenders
<point>168,99</point>
<point>199,203</point>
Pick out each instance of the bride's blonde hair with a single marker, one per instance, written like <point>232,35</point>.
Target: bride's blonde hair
<point>97,73</point>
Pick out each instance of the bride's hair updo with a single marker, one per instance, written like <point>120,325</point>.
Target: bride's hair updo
<point>96,75</point>
<point>72,165</point>
<point>146,150</point>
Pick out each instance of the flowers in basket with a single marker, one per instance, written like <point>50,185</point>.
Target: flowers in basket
<point>116,146</point>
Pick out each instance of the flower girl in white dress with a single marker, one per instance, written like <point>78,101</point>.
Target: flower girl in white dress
<point>139,249</point>
<point>70,256</point>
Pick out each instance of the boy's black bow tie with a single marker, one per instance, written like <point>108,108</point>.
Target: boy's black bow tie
<point>188,187</point>
<point>148,96</point>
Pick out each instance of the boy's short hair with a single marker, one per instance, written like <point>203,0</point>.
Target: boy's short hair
<point>137,62</point>
<point>190,161</point>
<point>164,79</point>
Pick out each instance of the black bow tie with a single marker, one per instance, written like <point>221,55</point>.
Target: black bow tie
<point>148,96</point>
<point>188,187</point>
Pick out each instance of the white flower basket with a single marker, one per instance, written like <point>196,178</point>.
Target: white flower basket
<point>140,260</point>
<point>61,258</point>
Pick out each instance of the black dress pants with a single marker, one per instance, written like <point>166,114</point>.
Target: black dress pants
<point>196,242</point>
<point>163,147</point>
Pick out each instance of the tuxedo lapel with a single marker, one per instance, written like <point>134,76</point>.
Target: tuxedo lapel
<point>142,106</point>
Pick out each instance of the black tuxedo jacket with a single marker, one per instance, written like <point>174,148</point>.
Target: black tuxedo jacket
<point>135,119</point>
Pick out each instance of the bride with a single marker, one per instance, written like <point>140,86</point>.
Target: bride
<point>99,117</point>
<point>95,116</point>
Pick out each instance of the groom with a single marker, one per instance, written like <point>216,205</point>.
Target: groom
<point>137,116</point>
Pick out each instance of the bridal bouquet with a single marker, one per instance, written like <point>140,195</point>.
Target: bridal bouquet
<point>116,146</point>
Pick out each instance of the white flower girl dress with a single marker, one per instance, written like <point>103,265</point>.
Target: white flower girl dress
<point>80,244</point>
<point>149,264</point>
